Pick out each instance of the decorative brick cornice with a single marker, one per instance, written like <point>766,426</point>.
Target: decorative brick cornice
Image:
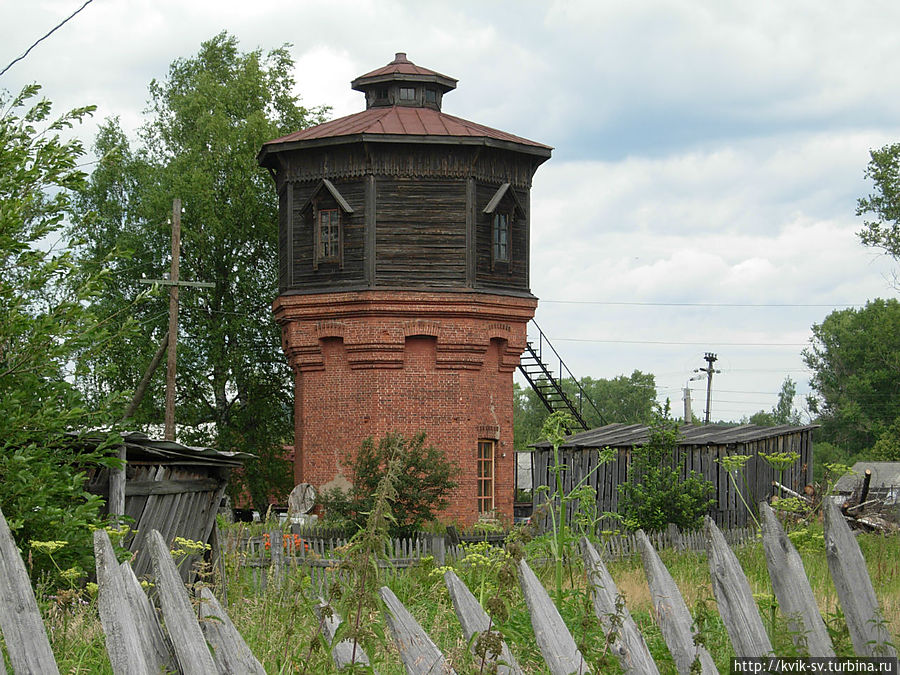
<point>374,325</point>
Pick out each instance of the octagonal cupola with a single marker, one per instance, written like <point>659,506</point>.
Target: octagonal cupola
<point>403,83</point>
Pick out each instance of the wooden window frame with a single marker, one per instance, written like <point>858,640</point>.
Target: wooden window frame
<point>507,218</point>
<point>336,254</point>
<point>407,89</point>
<point>485,475</point>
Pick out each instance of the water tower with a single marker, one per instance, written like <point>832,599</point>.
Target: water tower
<point>404,281</point>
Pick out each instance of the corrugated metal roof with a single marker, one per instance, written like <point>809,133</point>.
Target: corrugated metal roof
<point>138,445</point>
<point>621,435</point>
<point>402,121</point>
<point>884,474</point>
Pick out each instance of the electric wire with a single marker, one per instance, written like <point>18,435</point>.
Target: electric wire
<point>44,37</point>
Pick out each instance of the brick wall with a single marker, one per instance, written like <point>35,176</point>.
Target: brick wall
<point>372,362</point>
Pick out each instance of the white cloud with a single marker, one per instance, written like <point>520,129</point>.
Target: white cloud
<point>705,151</point>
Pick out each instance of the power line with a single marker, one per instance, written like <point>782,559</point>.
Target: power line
<point>706,343</point>
<point>695,304</point>
<point>52,30</point>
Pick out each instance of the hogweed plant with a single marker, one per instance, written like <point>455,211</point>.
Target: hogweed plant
<point>363,554</point>
<point>562,541</point>
<point>734,465</point>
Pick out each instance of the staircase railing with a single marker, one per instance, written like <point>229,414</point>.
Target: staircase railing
<point>547,386</point>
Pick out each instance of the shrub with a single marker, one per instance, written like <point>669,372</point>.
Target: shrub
<point>658,491</point>
<point>423,488</point>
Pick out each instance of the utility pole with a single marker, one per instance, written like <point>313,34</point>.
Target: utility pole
<point>171,340</point>
<point>688,416</point>
<point>173,321</point>
<point>710,359</point>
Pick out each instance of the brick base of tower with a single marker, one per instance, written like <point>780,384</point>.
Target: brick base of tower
<point>369,363</point>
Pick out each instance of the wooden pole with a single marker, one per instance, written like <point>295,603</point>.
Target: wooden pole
<point>173,321</point>
<point>145,380</point>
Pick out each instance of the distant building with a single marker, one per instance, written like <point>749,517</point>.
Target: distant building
<point>404,281</point>
<point>884,483</point>
<point>701,446</point>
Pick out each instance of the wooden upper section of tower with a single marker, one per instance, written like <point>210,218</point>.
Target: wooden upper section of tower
<point>403,195</point>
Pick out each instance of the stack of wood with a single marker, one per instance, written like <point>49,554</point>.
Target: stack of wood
<point>869,513</point>
<point>862,510</point>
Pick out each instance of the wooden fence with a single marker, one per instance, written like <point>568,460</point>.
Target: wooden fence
<point>138,642</point>
<point>319,553</point>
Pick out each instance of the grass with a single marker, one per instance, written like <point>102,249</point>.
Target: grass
<point>279,625</point>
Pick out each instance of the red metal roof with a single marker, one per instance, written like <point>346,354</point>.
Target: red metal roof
<point>403,66</point>
<point>403,121</point>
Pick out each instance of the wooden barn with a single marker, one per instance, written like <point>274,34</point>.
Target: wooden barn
<point>165,486</point>
<point>700,446</point>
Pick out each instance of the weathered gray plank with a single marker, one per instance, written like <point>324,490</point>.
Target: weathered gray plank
<point>123,641</point>
<point>276,551</point>
<point>346,652</point>
<point>23,629</point>
<point>419,654</point>
<point>230,652</point>
<point>157,648</point>
<point>116,504</point>
<point>791,586</point>
<point>181,622</point>
<point>556,643</point>
<point>672,614</point>
<point>854,587</point>
<point>474,619</point>
<point>734,597</point>
<point>628,644</point>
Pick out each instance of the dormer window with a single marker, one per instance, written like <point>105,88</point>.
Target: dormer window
<point>502,211</point>
<point>407,93</point>
<point>328,211</point>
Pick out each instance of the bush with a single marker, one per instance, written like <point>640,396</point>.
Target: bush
<point>657,491</point>
<point>423,488</point>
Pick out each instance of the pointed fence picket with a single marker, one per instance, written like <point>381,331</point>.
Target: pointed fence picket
<point>137,641</point>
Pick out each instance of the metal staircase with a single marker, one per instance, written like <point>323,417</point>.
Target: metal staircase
<point>547,386</point>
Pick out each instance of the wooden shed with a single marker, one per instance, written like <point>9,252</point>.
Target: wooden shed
<point>167,486</point>
<point>884,480</point>
<point>700,446</point>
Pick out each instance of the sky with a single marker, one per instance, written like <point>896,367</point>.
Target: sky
<point>707,159</point>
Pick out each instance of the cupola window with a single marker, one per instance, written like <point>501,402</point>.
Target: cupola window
<point>407,93</point>
<point>430,96</point>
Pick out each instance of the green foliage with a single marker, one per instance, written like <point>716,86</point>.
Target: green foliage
<point>783,412</point>
<point>423,487</point>
<point>887,447</point>
<point>855,358</point>
<point>626,399</point>
<point>658,490</point>
<point>205,123</point>
<point>48,330</point>
<point>883,205</point>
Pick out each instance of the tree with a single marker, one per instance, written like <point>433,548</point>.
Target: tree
<point>425,481</point>
<point>206,122</point>
<point>883,231</point>
<point>855,358</point>
<point>625,399</point>
<point>783,412</point>
<point>48,330</point>
<point>658,490</point>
